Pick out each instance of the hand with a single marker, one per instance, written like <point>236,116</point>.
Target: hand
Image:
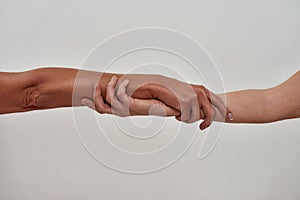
<point>220,111</point>
<point>119,103</point>
<point>194,102</point>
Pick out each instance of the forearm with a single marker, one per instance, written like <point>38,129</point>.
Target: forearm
<point>46,88</point>
<point>250,106</point>
<point>268,105</point>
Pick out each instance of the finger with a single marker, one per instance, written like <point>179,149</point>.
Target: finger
<point>161,109</point>
<point>89,103</point>
<point>120,102</point>
<point>101,107</point>
<point>208,112</point>
<point>151,107</point>
<point>195,114</point>
<point>218,102</point>
<point>121,94</point>
<point>117,107</point>
<point>184,116</point>
<point>202,115</point>
<point>115,104</point>
<point>171,111</point>
<point>186,111</point>
<point>110,90</point>
<point>194,106</point>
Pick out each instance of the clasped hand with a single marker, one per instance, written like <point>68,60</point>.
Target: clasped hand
<point>162,96</point>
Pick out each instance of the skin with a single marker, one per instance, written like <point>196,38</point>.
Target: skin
<point>268,105</point>
<point>53,88</point>
<point>247,106</point>
<point>48,88</point>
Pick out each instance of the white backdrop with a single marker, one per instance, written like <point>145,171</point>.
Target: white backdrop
<point>255,45</point>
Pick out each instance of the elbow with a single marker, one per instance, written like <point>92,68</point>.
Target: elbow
<point>33,94</point>
<point>22,91</point>
<point>32,98</point>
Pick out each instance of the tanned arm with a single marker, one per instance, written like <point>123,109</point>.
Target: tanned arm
<point>46,88</point>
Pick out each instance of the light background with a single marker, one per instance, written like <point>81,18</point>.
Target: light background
<point>255,45</point>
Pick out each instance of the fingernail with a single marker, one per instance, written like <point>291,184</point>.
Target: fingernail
<point>113,78</point>
<point>230,116</point>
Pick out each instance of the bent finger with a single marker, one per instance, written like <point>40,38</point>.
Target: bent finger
<point>110,90</point>
<point>218,102</point>
<point>195,114</point>
<point>208,112</point>
<point>122,94</point>
<point>101,106</point>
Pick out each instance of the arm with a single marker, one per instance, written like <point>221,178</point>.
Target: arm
<point>41,89</point>
<point>267,105</point>
<point>119,102</point>
<point>47,88</point>
<point>246,106</point>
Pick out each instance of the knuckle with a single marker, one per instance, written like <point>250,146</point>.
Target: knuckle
<point>185,100</point>
<point>183,103</point>
<point>191,97</point>
<point>200,94</point>
<point>201,87</point>
<point>100,111</point>
<point>108,99</point>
